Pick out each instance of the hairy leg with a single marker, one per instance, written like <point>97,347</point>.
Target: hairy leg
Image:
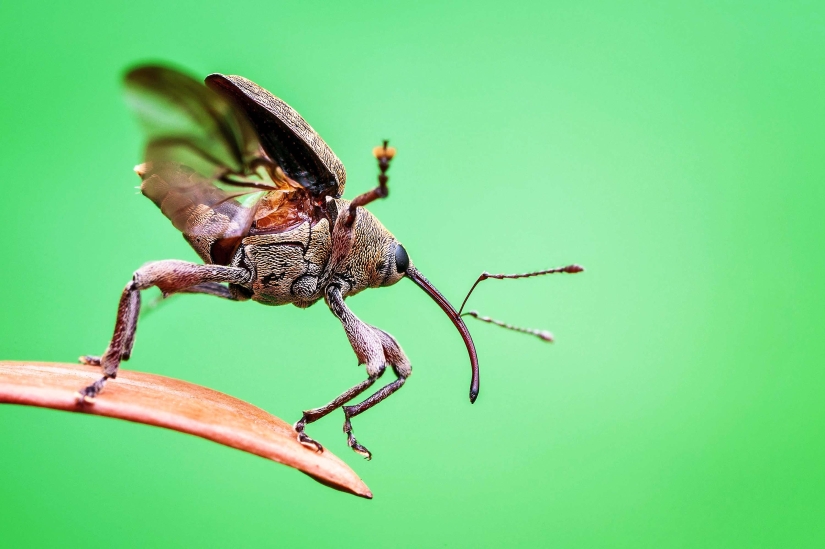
<point>170,276</point>
<point>139,311</point>
<point>207,288</point>
<point>211,288</point>
<point>352,411</point>
<point>315,414</point>
<point>374,348</point>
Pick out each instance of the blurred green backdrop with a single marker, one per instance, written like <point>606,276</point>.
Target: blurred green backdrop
<point>674,150</point>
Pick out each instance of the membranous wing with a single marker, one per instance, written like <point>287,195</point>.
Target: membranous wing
<point>188,123</point>
<point>200,159</point>
<point>220,168</point>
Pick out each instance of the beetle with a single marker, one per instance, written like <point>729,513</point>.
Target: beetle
<point>257,193</point>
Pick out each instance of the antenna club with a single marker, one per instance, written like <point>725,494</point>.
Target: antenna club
<point>571,269</point>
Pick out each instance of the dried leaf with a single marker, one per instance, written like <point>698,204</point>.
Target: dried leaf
<point>174,404</point>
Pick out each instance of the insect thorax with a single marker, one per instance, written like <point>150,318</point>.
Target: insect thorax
<point>286,267</point>
<point>295,266</point>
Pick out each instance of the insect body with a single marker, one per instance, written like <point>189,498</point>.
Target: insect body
<point>257,193</point>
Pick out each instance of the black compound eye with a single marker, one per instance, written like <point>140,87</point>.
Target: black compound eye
<point>402,260</point>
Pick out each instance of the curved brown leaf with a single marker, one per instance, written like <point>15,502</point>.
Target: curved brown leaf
<point>174,404</point>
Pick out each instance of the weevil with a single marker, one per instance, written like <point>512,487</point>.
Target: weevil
<point>257,193</point>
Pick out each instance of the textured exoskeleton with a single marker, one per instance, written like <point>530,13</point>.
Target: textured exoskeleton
<point>257,193</point>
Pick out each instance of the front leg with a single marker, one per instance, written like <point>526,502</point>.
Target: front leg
<point>311,416</point>
<point>170,276</point>
<point>375,348</point>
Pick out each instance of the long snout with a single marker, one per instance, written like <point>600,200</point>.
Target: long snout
<point>431,290</point>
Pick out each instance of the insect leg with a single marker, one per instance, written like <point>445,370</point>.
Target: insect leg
<point>352,411</point>
<point>131,326</point>
<point>315,414</point>
<point>132,313</point>
<point>384,154</point>
<point>373,347</point>
<point>170,276</point>
<point>208,288</point>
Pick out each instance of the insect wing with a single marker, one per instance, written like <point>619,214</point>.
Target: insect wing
<point>188,123</point>
<point>213,220</point>
<point>285,136</point>
<point>196,142</point>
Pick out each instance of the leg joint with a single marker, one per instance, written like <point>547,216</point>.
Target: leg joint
<point>376,372</point>
<point>403,371</point>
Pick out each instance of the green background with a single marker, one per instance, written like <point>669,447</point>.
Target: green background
<point>676,151</point>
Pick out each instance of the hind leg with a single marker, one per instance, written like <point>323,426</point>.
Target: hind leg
<point>170,276</point>
<point>207,288</point>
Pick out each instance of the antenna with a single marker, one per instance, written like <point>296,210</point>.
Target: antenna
<point>571,269</point>
<point>542,334</point>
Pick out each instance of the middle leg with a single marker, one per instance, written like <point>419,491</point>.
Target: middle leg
<point>383,154</point>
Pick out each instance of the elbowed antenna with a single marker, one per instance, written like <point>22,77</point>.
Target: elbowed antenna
<point>425,285</point>
<point>542,334</point>
<point>571,269</point>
